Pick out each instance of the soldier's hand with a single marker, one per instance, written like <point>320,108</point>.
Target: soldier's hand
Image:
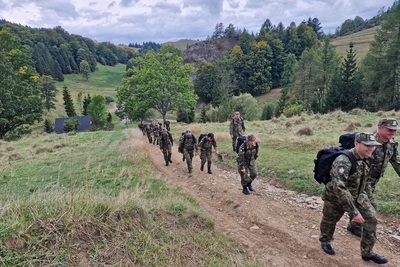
<point>358,219</point>
<point>243,170</point>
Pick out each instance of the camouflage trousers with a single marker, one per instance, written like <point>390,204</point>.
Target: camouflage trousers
<point>149,137</point>
<point>206,155</point>
<point>155,138</point>
<point>188,154</point>
<point>332,212</point>
<point>248,177</point>
<point>234,139</point>
<point>167,152</point>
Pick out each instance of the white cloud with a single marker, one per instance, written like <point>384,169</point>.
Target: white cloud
<point>125,21</point>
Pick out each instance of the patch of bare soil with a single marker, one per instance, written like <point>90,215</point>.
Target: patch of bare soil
<point>277,226</point>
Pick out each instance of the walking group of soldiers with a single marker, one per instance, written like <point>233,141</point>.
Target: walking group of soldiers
<point>351,192</point>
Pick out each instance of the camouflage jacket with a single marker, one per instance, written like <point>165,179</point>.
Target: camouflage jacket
<point>350,192</point>
<point>165,140</point>
<point>236,126</point>
<point>380,159</point>
<point>206,144</point>
<point>188,142</point>
<point>247,155</point>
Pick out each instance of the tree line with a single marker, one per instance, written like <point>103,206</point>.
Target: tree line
<point>55,52</point>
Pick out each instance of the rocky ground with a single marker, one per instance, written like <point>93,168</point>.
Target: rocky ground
<point>278,227</point>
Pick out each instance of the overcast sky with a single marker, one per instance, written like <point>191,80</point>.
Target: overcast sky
<point>130,21</point>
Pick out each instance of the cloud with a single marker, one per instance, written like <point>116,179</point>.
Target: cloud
<point>124,21</point>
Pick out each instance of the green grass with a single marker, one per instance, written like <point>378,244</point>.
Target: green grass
<point>361,42</point>
<point>92,197</point>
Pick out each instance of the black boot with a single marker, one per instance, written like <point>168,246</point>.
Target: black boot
<point>167,163</point>
<point>170,161</point>
<point>202,168</point>
<point>245,190</point>
<point>209,170</point>
<point>250,187</point>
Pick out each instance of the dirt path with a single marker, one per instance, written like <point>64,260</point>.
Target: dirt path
<point>278,227</point>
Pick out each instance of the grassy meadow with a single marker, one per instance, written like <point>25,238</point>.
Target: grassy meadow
<point>361,42</point>
<point>92,199</point>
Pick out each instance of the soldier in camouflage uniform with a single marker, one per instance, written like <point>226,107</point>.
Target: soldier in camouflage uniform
<point>149,132</point>
<point>205,151</point>
<point>236,129</point>
<point>379,160</point>
<point>156,132</point>
<point>187,144</point>
<point>166,142</point>
<point>349,193</point>
<point>246,163</point>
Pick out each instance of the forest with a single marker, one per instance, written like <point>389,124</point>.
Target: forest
<point>299,59</point>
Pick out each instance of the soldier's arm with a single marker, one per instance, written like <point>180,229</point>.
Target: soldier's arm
<point>340,175</point>
<point>231,127</point>
<point>240,158</point>
<point>395,160</point>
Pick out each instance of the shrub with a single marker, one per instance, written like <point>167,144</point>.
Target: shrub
<point>71,125</point>
<point>305,131</point>
<point>268,111</point>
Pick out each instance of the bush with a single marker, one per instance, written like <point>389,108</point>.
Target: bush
<point>268,112</point>
<point>48,128</point>
<point>293,110</point>
<point>71,125</point>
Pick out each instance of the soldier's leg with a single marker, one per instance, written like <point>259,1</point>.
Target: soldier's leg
<point>209,158</point>
<point>368,235</point>
<point>253,175</point>
<point>188,157</point>
<point>234,138</point>
<point>169,150</point>
<point>353,227</point>
<point>203,159</point>
<point>331,214</point>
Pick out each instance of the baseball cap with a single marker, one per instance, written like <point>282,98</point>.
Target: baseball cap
<point>237,113</point>
<point>388,123</point>
<point>367,139</point>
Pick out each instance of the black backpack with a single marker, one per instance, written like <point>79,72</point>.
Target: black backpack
<point>324,160</point>
<point>201,137</point>
<point>347,140</point>
<point>241,139</point>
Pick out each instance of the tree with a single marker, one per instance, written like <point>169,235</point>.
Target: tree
<point>97,110</point>
<point>161,82</point>
<point>203,115</point>
<point>49,92</point>
<point>47,126</point>
<point>68,103</point>
<point>84,69</point>
<point>20,101</point>
<point>345,91</point>
<point>381,66</point>
<point>86,101</point>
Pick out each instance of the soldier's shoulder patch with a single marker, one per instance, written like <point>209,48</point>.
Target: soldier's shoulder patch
<point>341,170</point>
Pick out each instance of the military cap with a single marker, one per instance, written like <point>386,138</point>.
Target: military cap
<point>237,113</point>
<point>164,129</point>
<point>211,135</point>
<point>367,139</point>
<point>388,123</point>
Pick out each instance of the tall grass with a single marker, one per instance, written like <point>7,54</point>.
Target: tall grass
<point>92,199</point>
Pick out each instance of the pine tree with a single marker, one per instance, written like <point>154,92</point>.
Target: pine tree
<point>68,103</point>
<point>86,102</point>
<point>47,126</point>
<point>203,115</point>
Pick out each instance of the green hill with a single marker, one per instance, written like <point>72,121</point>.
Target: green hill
<point>360,39</point>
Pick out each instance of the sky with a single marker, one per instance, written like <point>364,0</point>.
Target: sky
<point>138,21</point>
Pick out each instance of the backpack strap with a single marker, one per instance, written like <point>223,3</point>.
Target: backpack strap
<point>352,159</point>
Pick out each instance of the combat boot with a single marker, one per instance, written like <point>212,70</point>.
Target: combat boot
<point>245,190</point>
<point>190,170</point>
<point>327,248</point>
<point>170,161</point>
<point>250,187</point>
<point>202,168</point>
<point>375,258</point>
<point>209,170</point>
<point>167,163</point>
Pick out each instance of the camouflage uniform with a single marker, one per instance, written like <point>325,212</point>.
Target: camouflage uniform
<point>206,145</point>
<point>156,132</point>
<point>247,160</point>
<point>167,125</point>
<point>236,129</point>
<point>166,142</point>
<point>188,144</point>
<point>378,162</point>
<point>149,132</point>
<point>348,194</point>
